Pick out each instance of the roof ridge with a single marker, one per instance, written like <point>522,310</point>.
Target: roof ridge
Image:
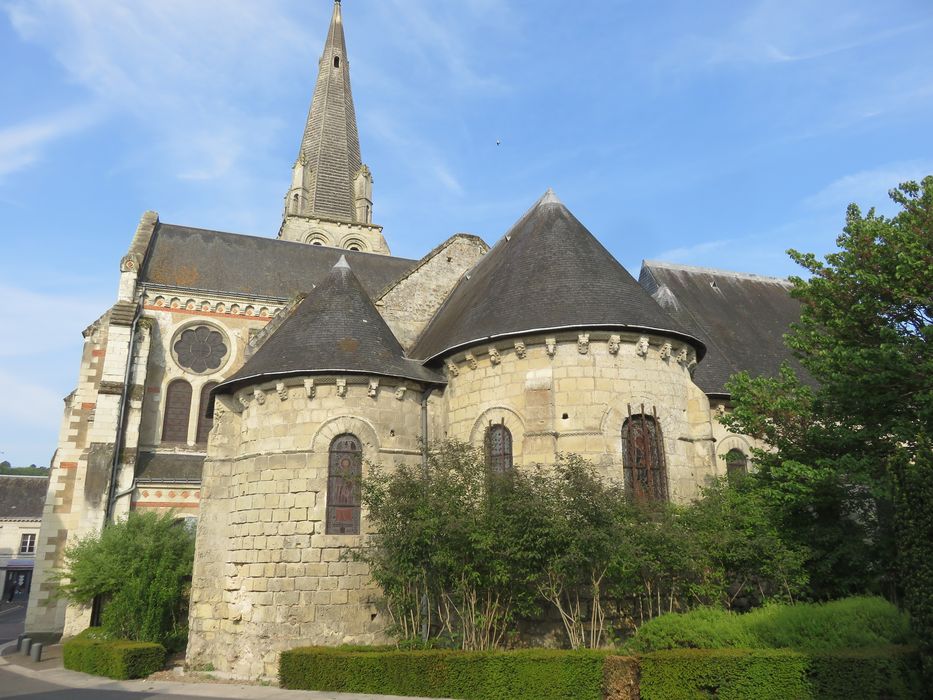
<point>716,271</point>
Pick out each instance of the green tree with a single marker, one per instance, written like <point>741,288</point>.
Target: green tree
<point>851,459</point>
<point>140,568</point>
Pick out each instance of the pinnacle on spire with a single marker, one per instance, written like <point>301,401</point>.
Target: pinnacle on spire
<point>342,264</point>
<point>549,197</point>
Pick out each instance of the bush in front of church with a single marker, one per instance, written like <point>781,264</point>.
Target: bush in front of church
<point>121,659</point>
<point>140,571</point>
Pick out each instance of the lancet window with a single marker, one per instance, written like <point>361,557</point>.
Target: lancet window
<point>643,460</point>
<point>344,471</point>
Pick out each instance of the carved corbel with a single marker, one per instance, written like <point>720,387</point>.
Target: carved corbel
<point>281,391</point>
<point>641,347</point>
<point>520,349</point>
<point>550,346</point>
<point>260,396</point>
<point>453,369</point>
<point>400,392</point>
<point>666,350</point>
<point>243,399</point>
<point>471,360</point>
<point>341,387</point>
<point>309,388</point>
<point>683,355</point>
<point>615,344</point>
<point>373,388</point>
<point>494,356</point>
<point>583,343</point>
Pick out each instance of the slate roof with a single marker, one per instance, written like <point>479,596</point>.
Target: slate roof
<point>740,317</point>
<point>547,273</point>
<point>214,261</point>
<point>335,330</point>
<point>156,466</point>
<point>22,497</point>
<point>331,143</point>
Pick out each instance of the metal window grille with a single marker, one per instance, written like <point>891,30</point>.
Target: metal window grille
<point>344,471</point>
<point>643,460</point>
<point>736,463</point>
<point>498,448</point>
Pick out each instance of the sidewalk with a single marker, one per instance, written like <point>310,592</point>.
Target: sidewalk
<point>50,670</point>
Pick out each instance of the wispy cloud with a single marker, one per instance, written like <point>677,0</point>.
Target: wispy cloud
<point>23,144</point>
<point>50,321</point>
<point>867,188</point>
<point>183,70</point>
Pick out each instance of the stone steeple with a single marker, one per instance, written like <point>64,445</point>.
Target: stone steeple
<point>329,201</point>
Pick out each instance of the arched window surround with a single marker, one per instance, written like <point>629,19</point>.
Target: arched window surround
<point>736,463</point>
<point>643,459</point>
<point>177,412</point>
<point>344,470</point>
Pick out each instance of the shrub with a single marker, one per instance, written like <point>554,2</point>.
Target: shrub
<point>843,624</point>
<point>120,659</point>
<point>140,567</point>
<point>765,674</point>
<point>513,675</point>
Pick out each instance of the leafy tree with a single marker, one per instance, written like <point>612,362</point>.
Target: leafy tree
<point>467,556</point>
<point>452,549</point>
<point>141,568</point>
<point>851,460</point>
<point>32,470</point>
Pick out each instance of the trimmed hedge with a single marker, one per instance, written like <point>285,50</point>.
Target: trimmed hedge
<point>850,623</point>
<point>118,659</point>
<point>775,674</point>
<point>534,674</point>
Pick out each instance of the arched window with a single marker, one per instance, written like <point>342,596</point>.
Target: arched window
<point>498,448</point>
<point>336,61</point>
<point>205,419</point>
<point>736,463</point>
<point>344,470</point>
<point>177,410</point>
<point>643,456</point>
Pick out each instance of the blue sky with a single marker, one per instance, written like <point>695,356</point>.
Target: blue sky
<point>714,133</point>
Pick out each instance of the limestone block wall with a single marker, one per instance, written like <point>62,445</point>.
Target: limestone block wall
<point>411,302</point>
<point>266,576</point>
<point>570,392</point>
<point>727,440</point>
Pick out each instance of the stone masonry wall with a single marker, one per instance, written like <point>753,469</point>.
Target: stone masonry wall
<point>569,393</point>
<point>413,300</point>
<point>266,576</point>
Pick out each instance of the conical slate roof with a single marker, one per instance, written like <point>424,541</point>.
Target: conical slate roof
<point>547,273</point>
<point>335,330</point>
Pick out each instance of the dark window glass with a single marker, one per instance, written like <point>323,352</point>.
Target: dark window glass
<point>27,544</point>
<point>736,463</point>
<point>336,61</point>
<point>643,457</point>
<point>498,449</point>
<point>200,349</point>
<point>177,410</point>
<point>344,470</point>
<point>205,419</point>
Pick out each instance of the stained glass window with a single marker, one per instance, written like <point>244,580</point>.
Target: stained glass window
<point>200,349</point>
<point>643,457</point>
<point>177,410</point>
<point>498,449</point>
<point>344,470</point>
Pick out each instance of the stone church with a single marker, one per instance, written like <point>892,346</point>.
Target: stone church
<point>244,382</point>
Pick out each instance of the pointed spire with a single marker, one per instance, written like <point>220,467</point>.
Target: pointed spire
<point>342,264</point>
<point>549,198</point>
<point>330,146</point>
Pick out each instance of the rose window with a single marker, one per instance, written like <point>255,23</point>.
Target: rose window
<point>200,349</point>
